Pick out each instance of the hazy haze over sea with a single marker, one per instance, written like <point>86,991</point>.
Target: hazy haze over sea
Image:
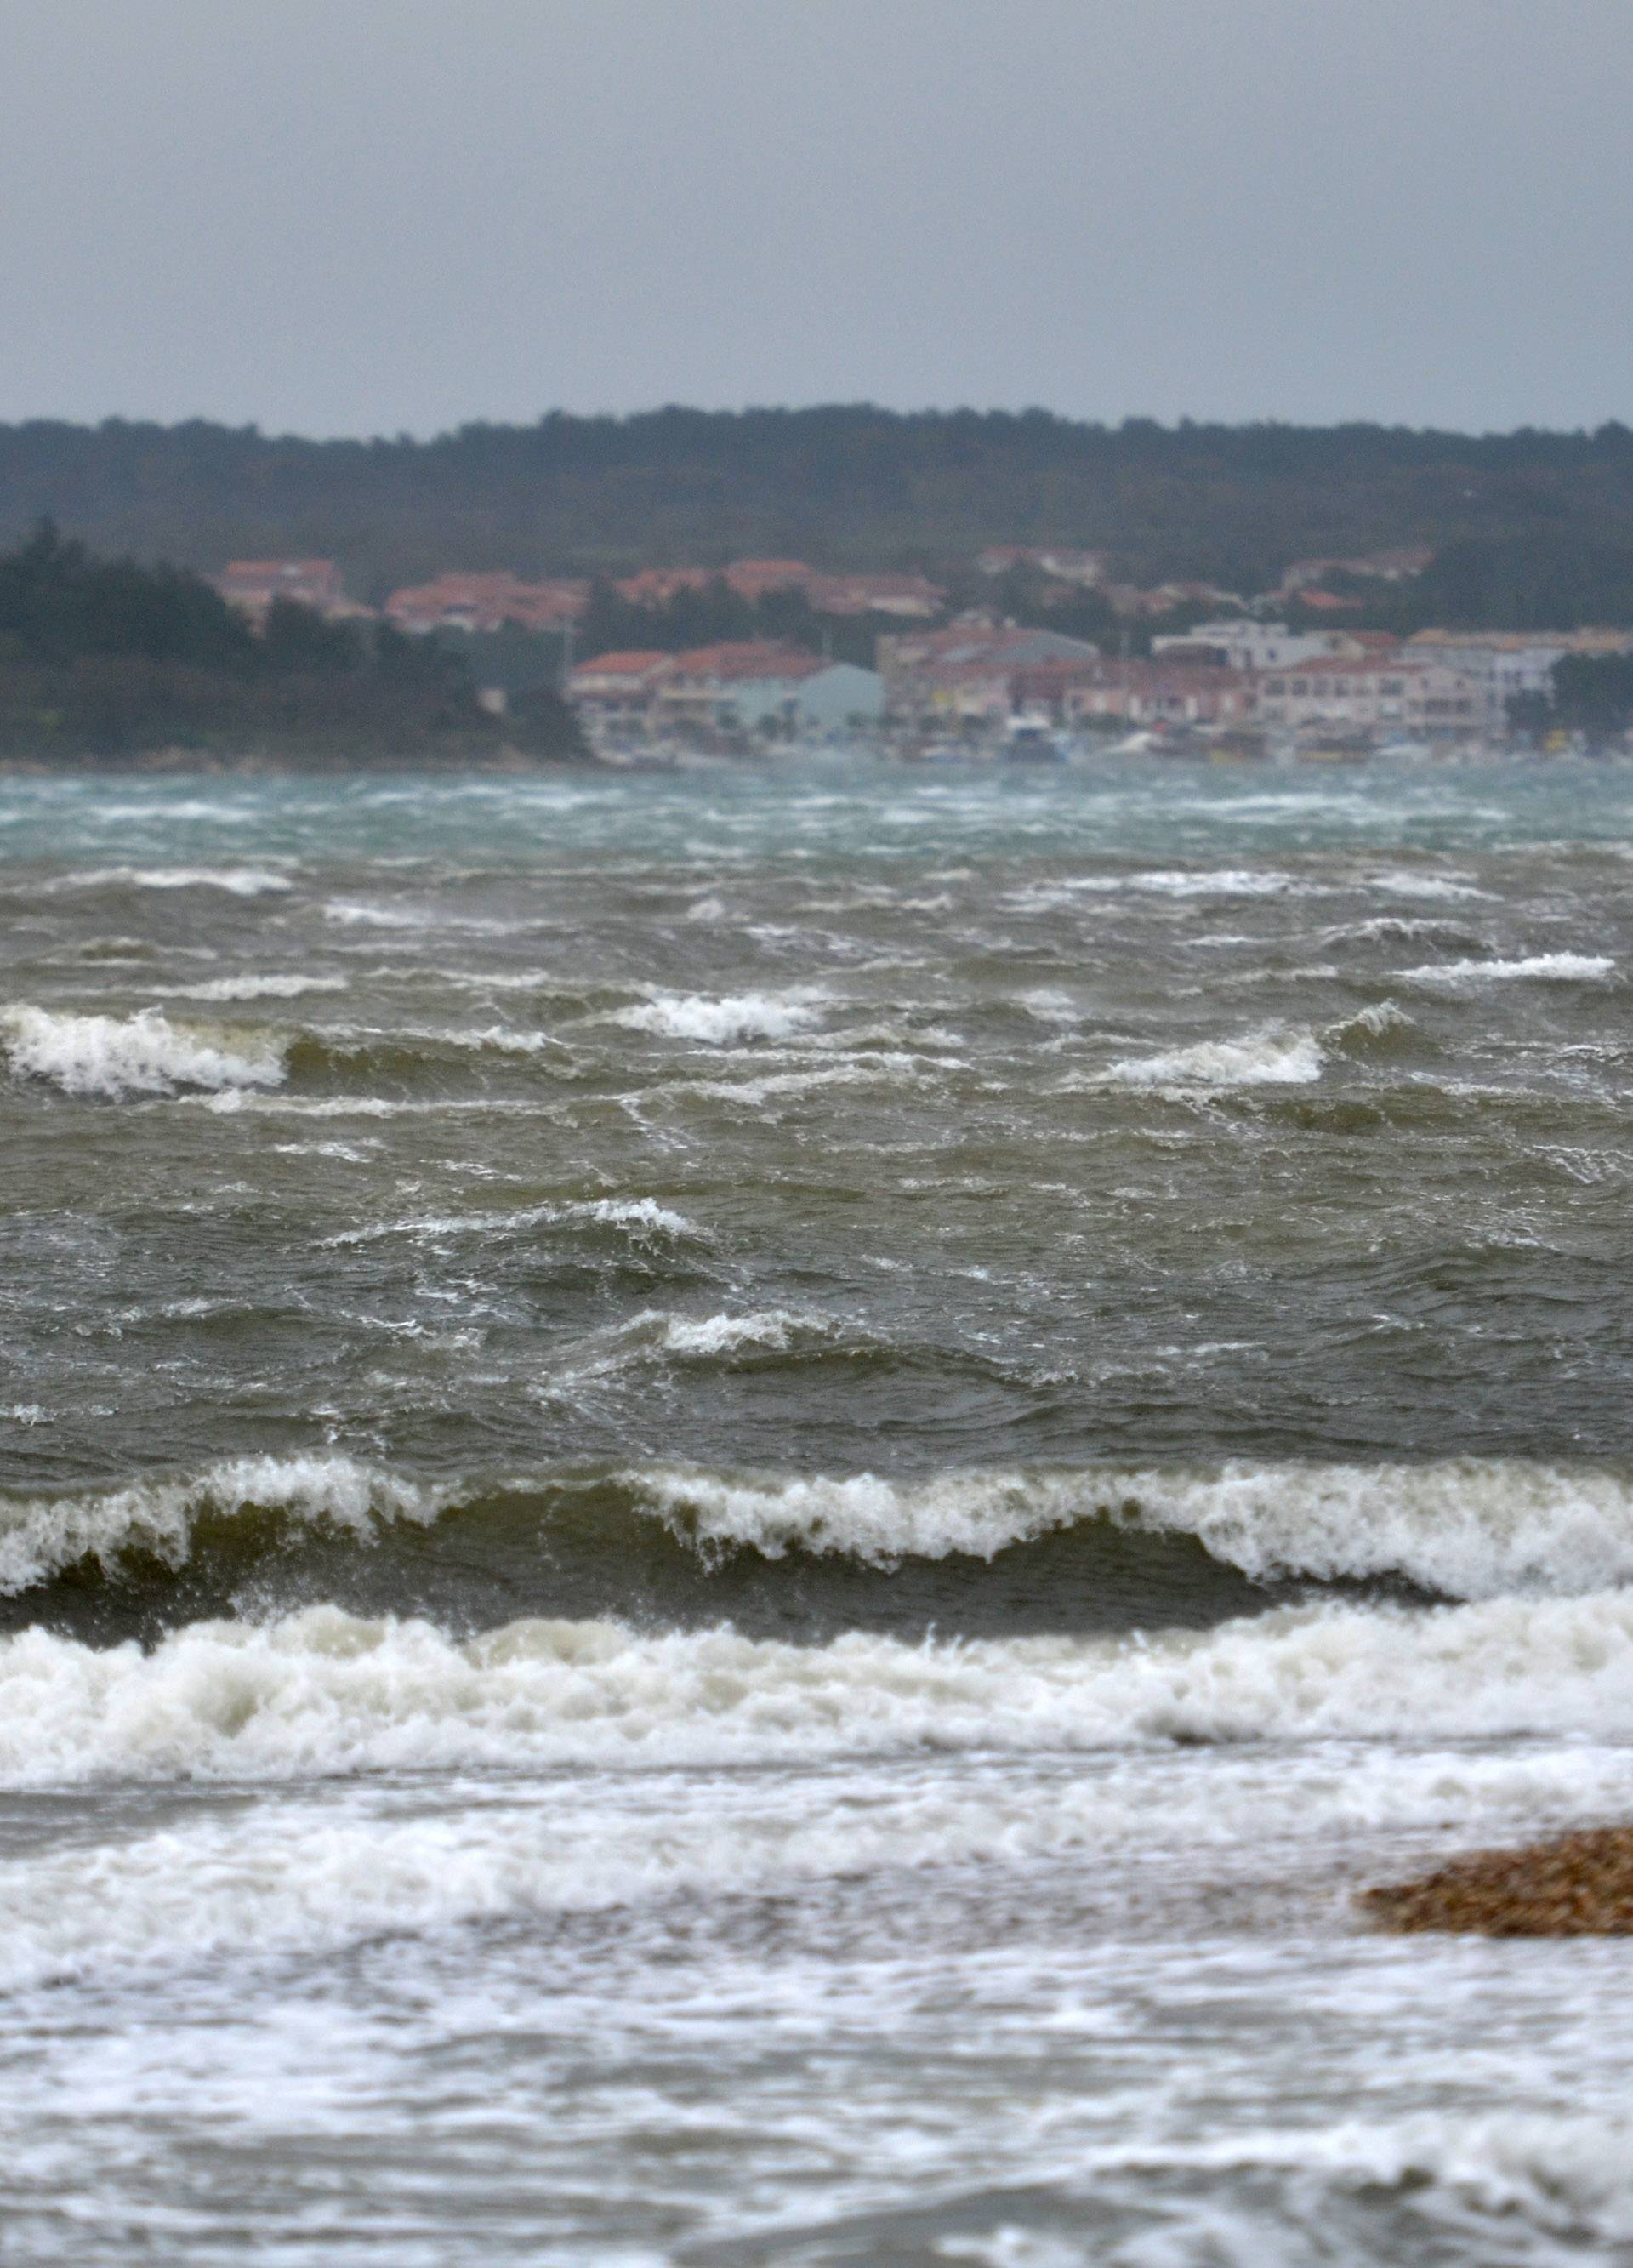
<point>731,1506</point>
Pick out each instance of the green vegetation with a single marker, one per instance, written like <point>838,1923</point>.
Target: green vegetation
<point>104,660</point>
<point>1592,694</point>
<point>859,487</point>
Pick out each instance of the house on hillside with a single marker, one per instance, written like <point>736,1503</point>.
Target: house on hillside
<point>655,586</point>
<point>1086,569</point>
<point>753,580</point>
<point>254,586</point>
<point>910,596</point>
<point>1401,565</point>
<point>487,602</point>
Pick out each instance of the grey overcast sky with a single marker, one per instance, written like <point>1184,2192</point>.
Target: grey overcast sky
<point>374,216</point>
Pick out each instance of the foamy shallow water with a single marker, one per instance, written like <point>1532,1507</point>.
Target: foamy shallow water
<point>731,1509</point>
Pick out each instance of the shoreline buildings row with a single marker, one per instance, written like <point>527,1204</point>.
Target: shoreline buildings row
<point>967,678</point>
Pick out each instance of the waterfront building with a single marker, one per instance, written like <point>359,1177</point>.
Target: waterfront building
<point>1378,693</point>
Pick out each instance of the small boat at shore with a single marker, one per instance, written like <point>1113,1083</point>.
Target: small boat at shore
<point>1030,739</point>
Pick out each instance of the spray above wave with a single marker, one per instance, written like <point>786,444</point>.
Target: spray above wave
<point>145,1054</point>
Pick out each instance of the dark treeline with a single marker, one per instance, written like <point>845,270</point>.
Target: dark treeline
<point>843,486</point>
<point>1592,694</point>
<point>107,660</point>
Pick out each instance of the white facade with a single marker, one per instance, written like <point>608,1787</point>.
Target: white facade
<point>1259,645</point>
<point>1504,662</point>
<point>1369,695</point>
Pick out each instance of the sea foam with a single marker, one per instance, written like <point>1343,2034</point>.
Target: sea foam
<point>328,1691</point>
<point>1535,968</point>
<point>1266,1058</point>
<point>142,1054</point>
<point>727,1021</point>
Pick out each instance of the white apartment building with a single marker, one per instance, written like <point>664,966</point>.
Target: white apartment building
<point>1244,645</point>
<point>1378,693</point>
<point>1506,662</point>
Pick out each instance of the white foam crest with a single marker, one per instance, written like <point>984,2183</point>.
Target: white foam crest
<point>639,1216</point>
<point>324,1691</point>
<point>39,1536</point>
<point>1375,1021</point>
<point>1399,884</point>
<point>1465,1528</point>
<point>142,1054</point>
<point>1536,967</point>
<point>1264,1058</point>
<point>250,988</point>
<point>237,881</point>
<point>725,1021</point>
<point>1199,882</point>
<point>774,1329</point>
<point>1569,2176</point>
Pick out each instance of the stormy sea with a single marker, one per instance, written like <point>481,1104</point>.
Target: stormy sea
<point>734,1505</point>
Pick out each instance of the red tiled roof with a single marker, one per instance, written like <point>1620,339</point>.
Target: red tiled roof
<point>632,663</point>
<point>753,659</point>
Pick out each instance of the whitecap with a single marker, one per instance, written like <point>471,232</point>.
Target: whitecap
<point>140,1055</point>
<point>728,1020</point>
<point>1536,967</point>
<point>1267,1058</point>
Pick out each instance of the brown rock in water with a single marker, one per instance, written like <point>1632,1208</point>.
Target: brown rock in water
<point>1578,1885</point>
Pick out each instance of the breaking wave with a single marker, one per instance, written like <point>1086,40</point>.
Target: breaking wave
<point>726,1021</point>
<point>1537,967</point>
<point>251,988</point>
<point>142,1054</point>
<point>325,1690</point>
<point>1465,1529</point>
<point>237,881</point>
<point>1267,1058</point>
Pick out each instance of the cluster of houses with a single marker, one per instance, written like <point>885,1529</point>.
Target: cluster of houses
<point>1233,673</point>
<point>967,677</point>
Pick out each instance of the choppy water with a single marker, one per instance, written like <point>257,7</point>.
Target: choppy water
<point>730,1507</point>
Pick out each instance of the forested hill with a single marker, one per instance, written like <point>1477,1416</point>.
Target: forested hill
<point>839,487</point>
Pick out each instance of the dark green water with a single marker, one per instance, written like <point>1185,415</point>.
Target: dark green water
<point>627,1403</point>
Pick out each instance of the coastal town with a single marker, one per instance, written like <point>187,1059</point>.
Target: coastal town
<point>974,665</point>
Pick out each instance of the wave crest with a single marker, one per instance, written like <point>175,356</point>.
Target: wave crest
<point>726,1021</point>
<point>1265,1059</point>
<point>116,1057</point>
<point>325,1690</point>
